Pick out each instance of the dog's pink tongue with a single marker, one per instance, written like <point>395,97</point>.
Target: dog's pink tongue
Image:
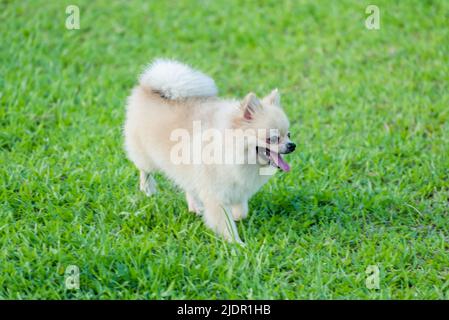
<point>277,159</point>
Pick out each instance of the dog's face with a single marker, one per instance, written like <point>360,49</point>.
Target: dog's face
<point>270,127</point>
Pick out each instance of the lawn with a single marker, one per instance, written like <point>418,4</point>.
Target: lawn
<point>369,184</point>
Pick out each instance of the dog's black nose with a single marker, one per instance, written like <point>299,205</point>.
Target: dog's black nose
<point>291,147</point>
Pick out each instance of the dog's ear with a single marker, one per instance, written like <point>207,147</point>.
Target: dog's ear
<point>250,106</point>
<point>273,98</point>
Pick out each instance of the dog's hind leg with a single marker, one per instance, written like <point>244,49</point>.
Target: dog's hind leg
<point>137,155</point>
<point>219,218</point>
<point>147,183</point>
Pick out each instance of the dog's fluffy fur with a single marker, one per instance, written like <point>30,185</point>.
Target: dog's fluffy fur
<point>171,95</point>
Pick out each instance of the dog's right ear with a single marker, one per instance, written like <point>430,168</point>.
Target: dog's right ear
<point>250,106</point>
<point>274,98</point>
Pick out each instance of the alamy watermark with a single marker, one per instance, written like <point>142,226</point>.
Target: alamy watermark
<point>212,146</point>
<point>72,277</point>
<point>372,280</point>
<point>372,22</point>
<point>72,21</point>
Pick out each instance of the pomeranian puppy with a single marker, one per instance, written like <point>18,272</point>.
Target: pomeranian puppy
<point>171,101</point>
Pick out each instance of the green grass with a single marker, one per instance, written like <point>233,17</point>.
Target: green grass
<point>370,178</point>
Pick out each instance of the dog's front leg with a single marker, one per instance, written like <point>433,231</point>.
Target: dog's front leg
<point>240,211</point>
<point>219,218</point>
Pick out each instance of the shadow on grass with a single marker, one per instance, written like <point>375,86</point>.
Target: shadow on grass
<point>303,208</point>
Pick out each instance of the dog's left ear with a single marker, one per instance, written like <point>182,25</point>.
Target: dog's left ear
<point>250,105</point>
<point>273,98</point>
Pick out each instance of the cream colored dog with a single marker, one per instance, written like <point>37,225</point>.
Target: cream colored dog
<point>170,97</point>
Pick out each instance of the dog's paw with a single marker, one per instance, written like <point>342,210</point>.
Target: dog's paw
<point>148,186</point>
<point>193,205</point>
<point>233,238</point>
<point>240,243</point>
<point>195,210</point>
<point>148,190</point>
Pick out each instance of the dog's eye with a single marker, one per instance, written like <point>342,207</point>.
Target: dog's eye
<point>273,139</point>
<point>288,135</point>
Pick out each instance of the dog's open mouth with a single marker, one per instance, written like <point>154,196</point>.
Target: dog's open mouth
<point>275,159</point>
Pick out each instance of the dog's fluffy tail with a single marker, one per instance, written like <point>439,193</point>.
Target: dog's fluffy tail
<point>175,80</point>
